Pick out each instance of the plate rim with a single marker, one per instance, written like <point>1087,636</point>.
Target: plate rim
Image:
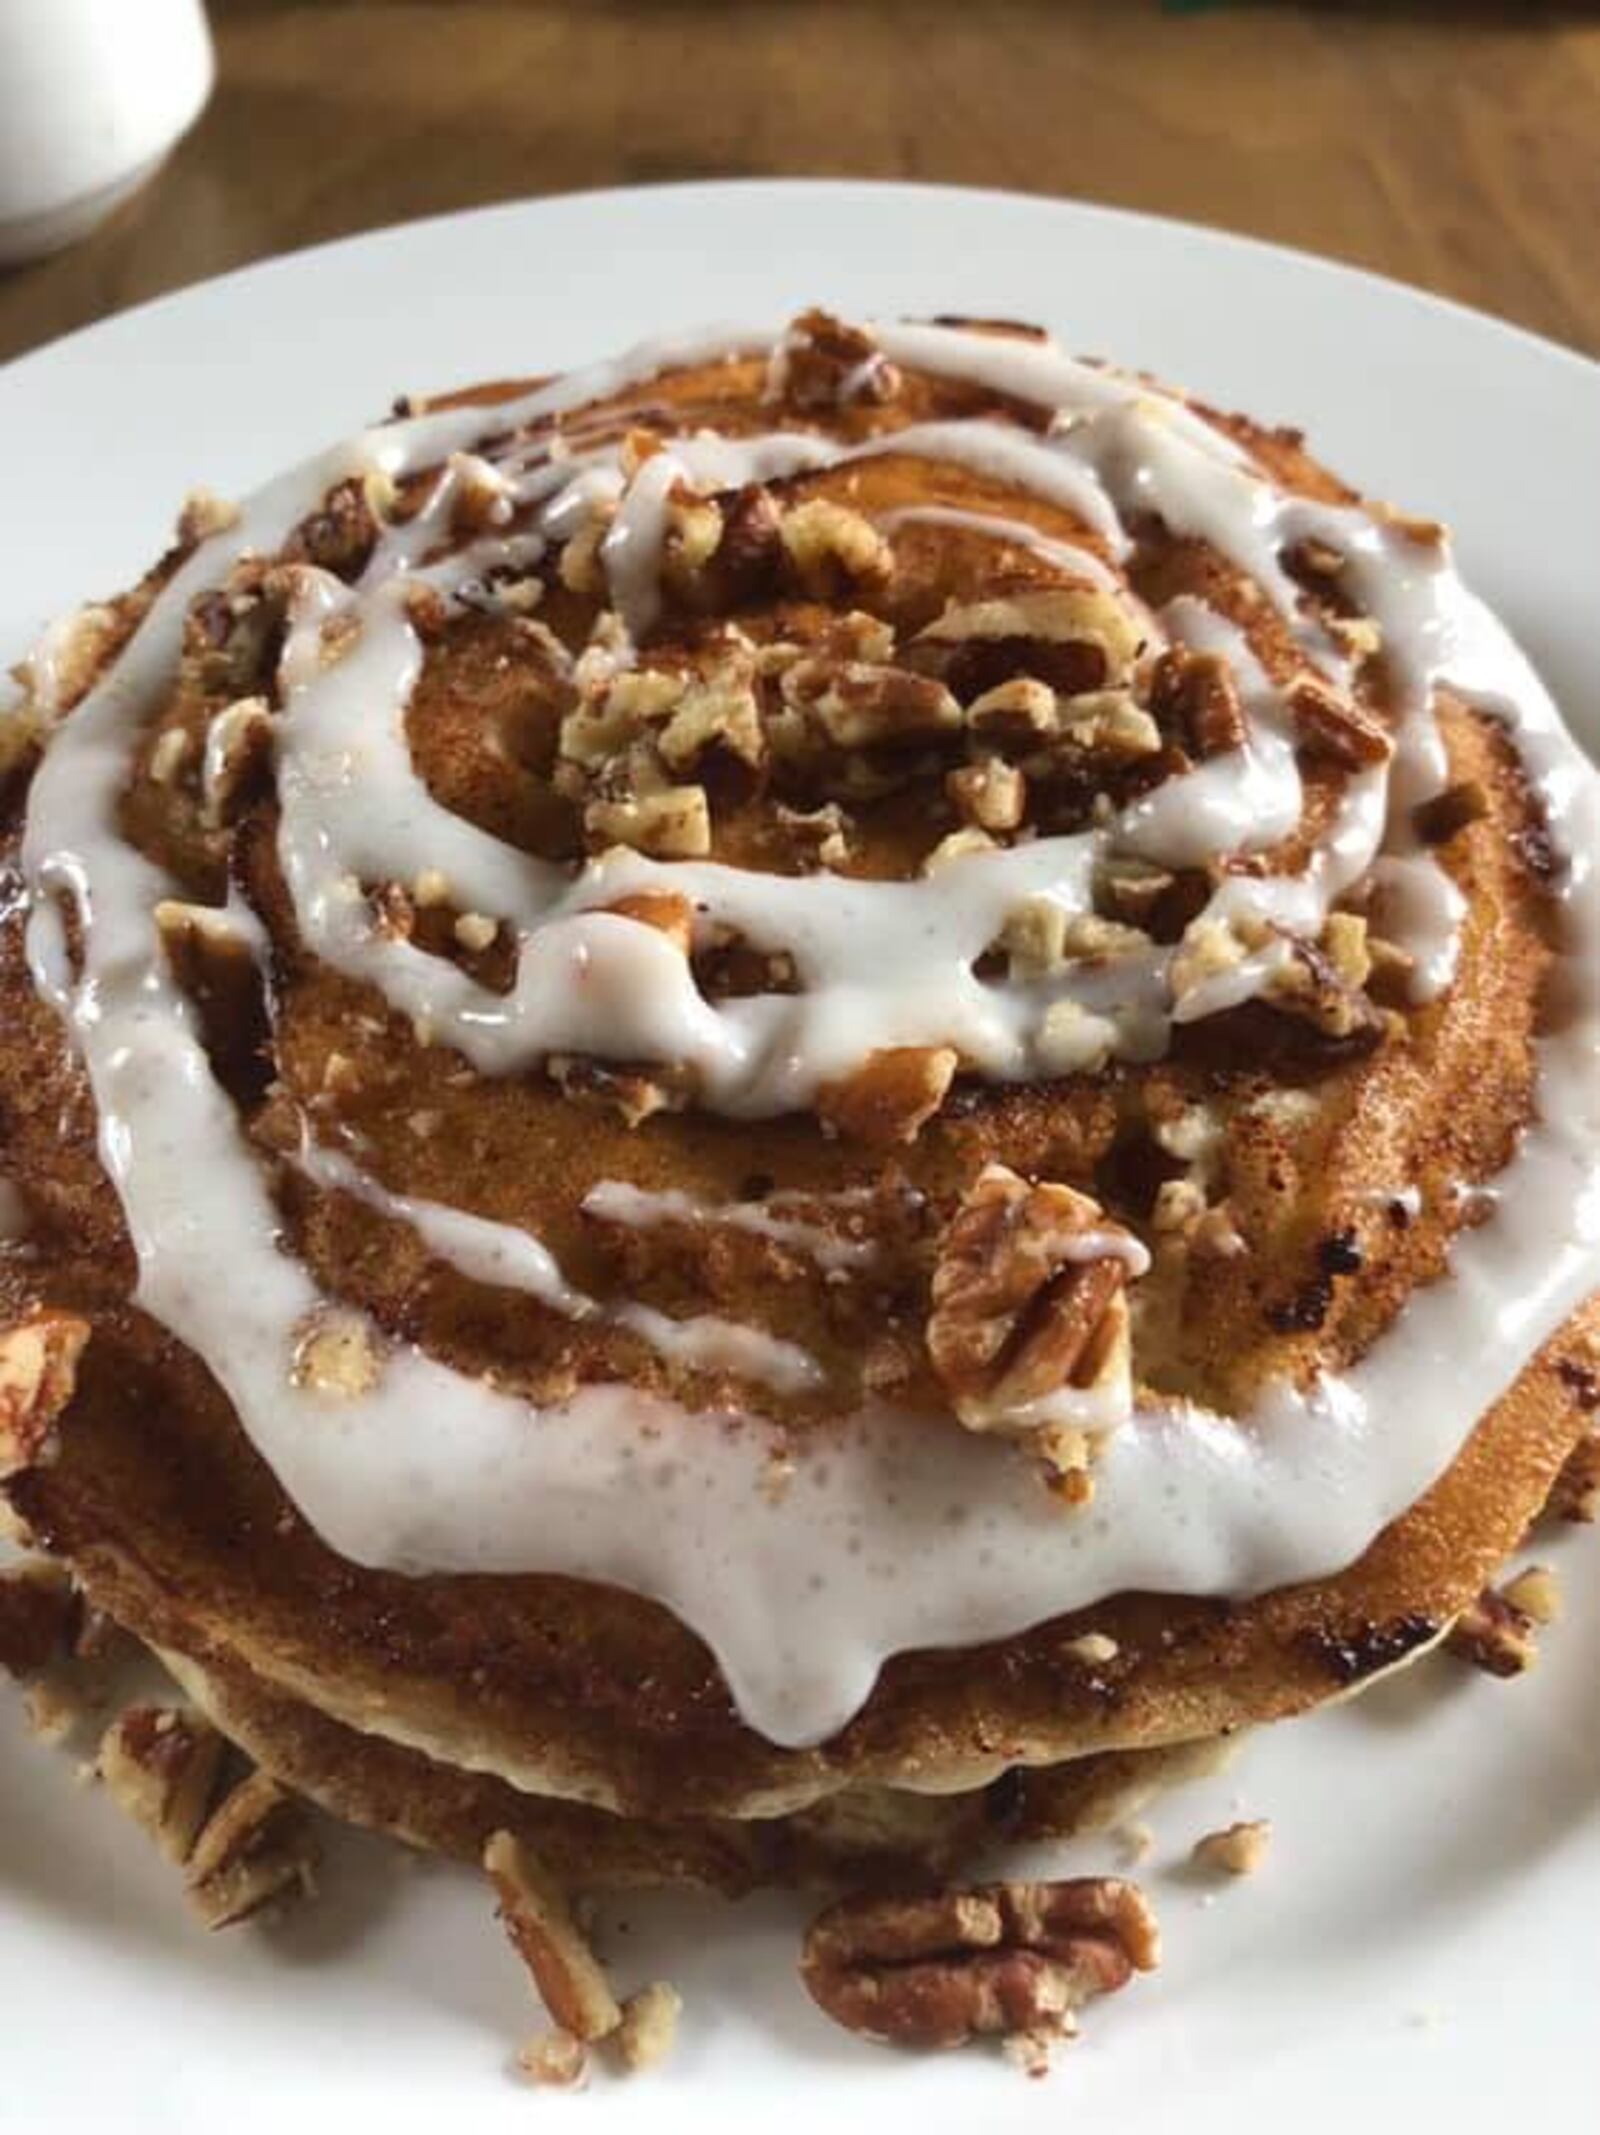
<point>1577,360</point>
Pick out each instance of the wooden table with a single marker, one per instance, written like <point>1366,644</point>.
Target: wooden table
<point>1453,146</point>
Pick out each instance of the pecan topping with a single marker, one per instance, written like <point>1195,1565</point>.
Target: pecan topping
<point>203,514</point>
<point>545,1936</point>
<point>751,543</point>
<point>1536,1592</point>
<point>1073,638</point>
<point>891,1096</point>
<point>1029,1303</point>
<point>822,363</point>
<point>255,1850</point>
<point>649,2027</point>
<point>1495,1635</point>
<point>38,1371</point>
<point>555,2060</point>
<point>861,705</point>
<point>1020,712</point>
<point>1001,1960</point>
<point>1109,723</point>
<point>160,1765</point>
<point>336,1355</point>
<point>638,1096</point>
<point>1195,693</point>
<point>674,824</point>
<point>40,1616</point>
<point>1237,1851</point>
<point>1333,726</point>
<point>990,795</point>
<point>831,548</point>
<point>1309,987</point>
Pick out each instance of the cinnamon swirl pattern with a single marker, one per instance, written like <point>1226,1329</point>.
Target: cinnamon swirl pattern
<point>702,1056</point>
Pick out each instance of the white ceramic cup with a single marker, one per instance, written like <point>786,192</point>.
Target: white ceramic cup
<point>93,94</point>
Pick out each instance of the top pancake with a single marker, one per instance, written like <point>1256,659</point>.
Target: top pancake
<point>1307,1121</point>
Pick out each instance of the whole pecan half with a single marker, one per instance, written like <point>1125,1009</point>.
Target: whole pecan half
<point>998,1959</point>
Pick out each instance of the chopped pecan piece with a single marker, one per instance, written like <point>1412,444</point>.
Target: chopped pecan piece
<point>891,1096</point>
<point>1195,693</point>
<point>1438,820</point>
<point>636,1095</point>
<point>649,2028</point>
<point>545,1936</point>
<point>1309,987</point>
<point>1000,1960</point>
<point>693,536</point>
<point>1336,727</point>
<point>337,1355</point>
<point>1131,890</point>
<point>1237,1851</point>
<point>861,705</point>
<point>203,514</point>
<point>1344,944</point>
<point>1537,1593</point>
<point>581,568</point>
<point>480,495</point>
<point>1074,638</point>
<point>1495,1635</point>
<point>555,2060</point>
<point>618,710</point>
<point>674,824</point>
<point>717,713</point>
<point>1028,1303</point>
<point>256,1849</point>
<point>340,535</point>
<point>831,548</point>
<point>160,1765</point>
<point>1039,935</point>
<point>823,363</point>
<point>959,845</point>
<point>1109,723</point>
<point>751,544</point>
<point>1021,711</point>
<point>41,1613</point>
<point>38,1371</point>
<point>992,795</point>
<point>169,755</point>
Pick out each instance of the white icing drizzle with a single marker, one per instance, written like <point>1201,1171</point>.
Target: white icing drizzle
<point>904,1531</point>
<point>617,1201</point>
<point>506,1258</point>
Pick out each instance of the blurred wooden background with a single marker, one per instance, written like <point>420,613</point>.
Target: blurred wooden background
<point>1458,147</point>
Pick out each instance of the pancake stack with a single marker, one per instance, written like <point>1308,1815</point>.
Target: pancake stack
<point>771,1109</point>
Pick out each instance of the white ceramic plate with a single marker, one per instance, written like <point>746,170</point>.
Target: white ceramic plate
<point>1426,1934</point>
